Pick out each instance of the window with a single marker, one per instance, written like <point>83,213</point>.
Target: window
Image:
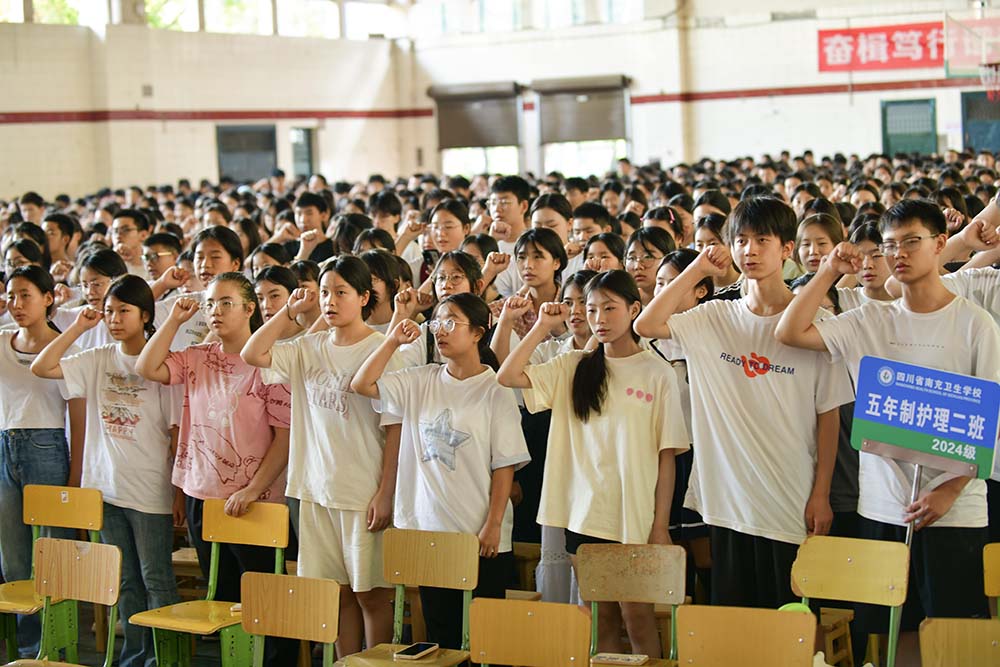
<point>562,13</point>
<point>621,11</point>
<point>308,18</point>
<point>583,158</point>
<point>66,12</point>
<point>426,18</point>
<point>471,161</point>
<point>499,15</point>
<point>172,14</point>
<point>364,19</point>
<point>11,11</point>
<point>241,16</point>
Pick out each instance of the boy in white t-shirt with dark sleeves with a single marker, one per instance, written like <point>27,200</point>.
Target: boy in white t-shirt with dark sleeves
<point>764,416</point>
<point>930,326</point>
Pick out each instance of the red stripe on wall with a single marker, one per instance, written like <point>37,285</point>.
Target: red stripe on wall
<point>268,114</point>
<point>263,114</point>
<point>828,89</point>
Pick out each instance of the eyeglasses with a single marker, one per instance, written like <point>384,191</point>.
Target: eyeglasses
<point>153,256</point>
<point>10,265</point>
<point>447,326</point>
<point>100,284</point>
<point>906,245</point>
<point>224,306</point>
<point>645,260</point>
<point>453,278</point>
<point>497,202</point>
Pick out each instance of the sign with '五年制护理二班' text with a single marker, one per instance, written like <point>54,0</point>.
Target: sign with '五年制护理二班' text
<point>945,415</point>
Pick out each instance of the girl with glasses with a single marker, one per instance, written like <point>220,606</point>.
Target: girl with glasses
<point>644,250</point>
<point>456,462</point>
<point>342,459</point>
<point>233,441</point>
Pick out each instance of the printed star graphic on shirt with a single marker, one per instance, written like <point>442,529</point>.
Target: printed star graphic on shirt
<point>441,440</point>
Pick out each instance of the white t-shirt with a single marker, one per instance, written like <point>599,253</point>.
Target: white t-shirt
<point>455,434</point>
<point>980,286</point>
<point>336,439</point>
<point>509,281</point>
<point>127,453</point>
<point>754,403</point>
<point>414,256</point>
<point>549,349</point>
<point>600,475</point>
<point>190,333</point>
<point>855,297</point>
<point>574,264</point>
<point>960,338</point>
<point>26,400</point>
<point>91,338</point>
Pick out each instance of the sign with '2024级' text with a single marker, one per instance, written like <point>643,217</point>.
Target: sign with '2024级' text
<point>923,409</point>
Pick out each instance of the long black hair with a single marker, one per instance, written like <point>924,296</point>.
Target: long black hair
<point>590,380</point>
<point>135,291</point>
<point>478,313</point>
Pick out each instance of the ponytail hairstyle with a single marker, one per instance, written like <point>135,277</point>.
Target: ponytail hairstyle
<point>478,313</point>
<point>356,274</point>
<point>135,291</point>
<point>666,215</point>
<point>246,293</point>
<point>679,260</point>
<point>590,380</point>
<point>41,279</point>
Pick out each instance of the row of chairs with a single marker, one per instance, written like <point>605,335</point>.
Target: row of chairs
<point>512,632</point>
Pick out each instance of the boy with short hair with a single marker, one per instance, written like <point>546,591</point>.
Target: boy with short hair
<point>312,214</point>
<point>929,326</point>
<point>509,200</point>
<point>764,416</point>
<point>129,228</point>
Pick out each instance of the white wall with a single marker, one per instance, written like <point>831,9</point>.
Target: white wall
<point>726,45</point>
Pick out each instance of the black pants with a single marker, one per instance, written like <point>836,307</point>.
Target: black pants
<point>536,436</point>
<point>443,606</point>
<point>234,560</point>
<point>751,571</point>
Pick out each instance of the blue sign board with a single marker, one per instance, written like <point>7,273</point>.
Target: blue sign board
<point>927,410</point>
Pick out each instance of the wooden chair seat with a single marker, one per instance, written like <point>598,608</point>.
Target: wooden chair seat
<point>381,656</point>
<point>945,642</point>
<point>197,617</point>
<point>19,597</point>
<point>836,625</point>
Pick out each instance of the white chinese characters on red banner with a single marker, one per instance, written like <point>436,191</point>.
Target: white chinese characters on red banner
<point>912,45</point>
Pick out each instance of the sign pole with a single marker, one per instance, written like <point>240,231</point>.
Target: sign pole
<point>896,613</point>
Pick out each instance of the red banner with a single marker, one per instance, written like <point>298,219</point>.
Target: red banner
<point>911,45</point>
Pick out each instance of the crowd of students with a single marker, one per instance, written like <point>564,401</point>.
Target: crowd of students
<point>665,355</point>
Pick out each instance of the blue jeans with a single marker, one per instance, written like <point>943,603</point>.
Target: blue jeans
<point>146,542</point>
<point>27,456</point>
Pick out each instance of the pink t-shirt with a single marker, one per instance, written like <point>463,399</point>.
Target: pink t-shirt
<point>225,427</point>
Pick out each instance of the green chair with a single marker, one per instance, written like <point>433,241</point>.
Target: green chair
<point>264,525</point>
<point>53,507</point>
<point>73,570</point>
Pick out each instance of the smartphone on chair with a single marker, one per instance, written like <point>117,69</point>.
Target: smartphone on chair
<point>415,651</point>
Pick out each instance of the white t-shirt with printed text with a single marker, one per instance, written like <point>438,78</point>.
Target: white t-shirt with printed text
<point>960,338</point>
<point>26,400</point>
<point>754,404</point>
<point>337,436</point>
<point>455,434</point>
<point>127,451</point>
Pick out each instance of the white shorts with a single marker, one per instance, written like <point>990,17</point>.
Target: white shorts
<point>336,544</point>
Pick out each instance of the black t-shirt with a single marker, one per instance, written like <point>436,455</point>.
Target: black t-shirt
<point>320,253</point>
